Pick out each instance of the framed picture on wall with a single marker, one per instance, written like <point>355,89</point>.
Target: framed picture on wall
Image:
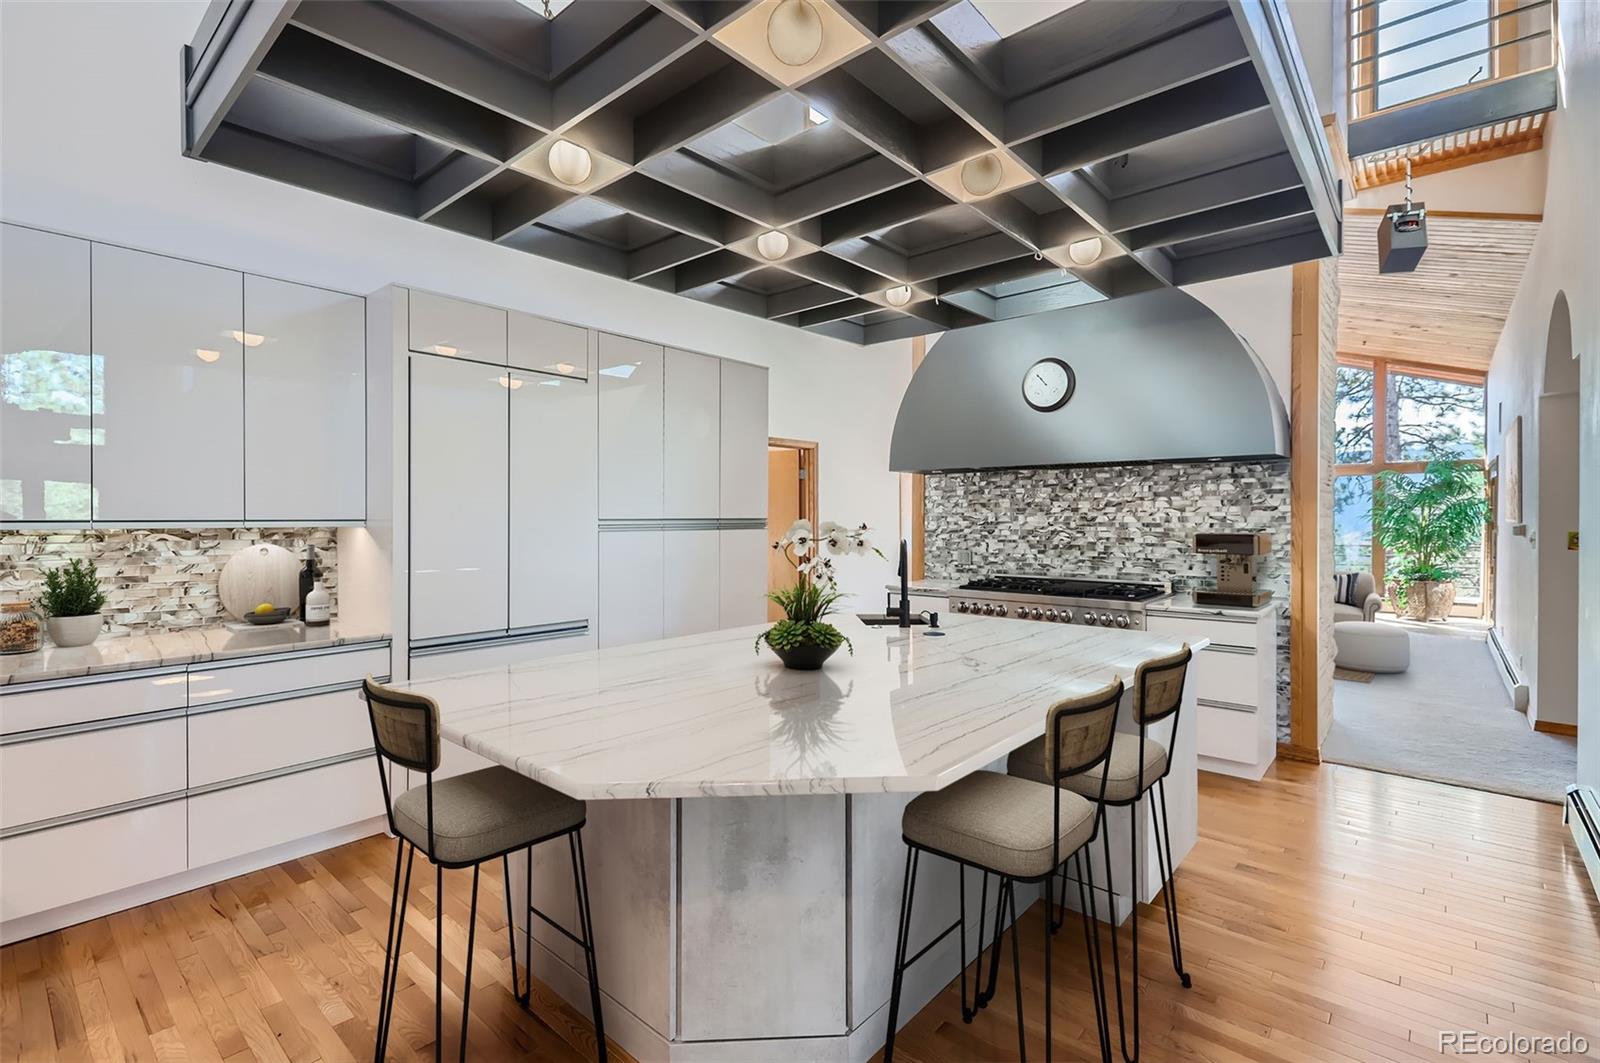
<point>1511,472</point>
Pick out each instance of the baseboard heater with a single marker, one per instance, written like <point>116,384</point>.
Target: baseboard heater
<point>1515,687</point>
<point>1582,815</point>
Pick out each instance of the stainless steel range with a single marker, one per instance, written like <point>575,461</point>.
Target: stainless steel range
<point>1059,599</point>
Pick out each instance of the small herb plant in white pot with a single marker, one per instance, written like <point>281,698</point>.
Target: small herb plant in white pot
<point>71,603</point>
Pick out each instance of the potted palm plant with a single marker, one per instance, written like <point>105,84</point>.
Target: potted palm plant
<point>804,639</point>
<point>1429,520</point>
<point>71,602</point>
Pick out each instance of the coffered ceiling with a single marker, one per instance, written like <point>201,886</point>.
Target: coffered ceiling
<point>923,171</point>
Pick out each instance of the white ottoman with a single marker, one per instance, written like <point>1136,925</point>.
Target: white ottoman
<point>1368,646</point>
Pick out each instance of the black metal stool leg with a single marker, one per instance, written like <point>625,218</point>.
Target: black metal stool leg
<point>527,933</point>
<point>900,942</point>
<point>1049,1004</point>
<point>1016,970</point>
<point>391,967</point>
<point>1169,887</point>
<point>511,924</point>
<point>1091,936</point>
<point>466,981</point>
<point>1116,950</point>
<point>961,936</point>
<point>438,963</point>
<point>580,881</point>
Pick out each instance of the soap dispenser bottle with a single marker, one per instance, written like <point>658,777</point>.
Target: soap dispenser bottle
<point>308,578</point>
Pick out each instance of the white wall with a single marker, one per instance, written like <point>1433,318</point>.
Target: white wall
<point>1258,307</point>
<point>1565,258</point>
<point>89,111</point>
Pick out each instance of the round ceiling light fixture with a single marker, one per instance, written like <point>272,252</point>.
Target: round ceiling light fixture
<point>898,296</point>
<point>773,245</point>
<point>1086,252</point>
<point>794,32</point>
<point>981,176</point>
<point>570,163</point>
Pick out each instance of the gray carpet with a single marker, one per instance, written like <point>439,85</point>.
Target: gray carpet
<point>1448,719</point>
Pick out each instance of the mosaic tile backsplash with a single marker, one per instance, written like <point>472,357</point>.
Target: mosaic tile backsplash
<point>155,579</point>
<point>1134,521</point>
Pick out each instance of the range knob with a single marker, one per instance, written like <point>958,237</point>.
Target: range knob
<point>1105,619</point>
<point>1000,610</point>
<point>987,609</point>
<point>961,607</point>
<point>1049,614</point>
<point>1066,616</point>
<point>1090,619</point>
<point>1122,620</point>
<point>1038,614</point>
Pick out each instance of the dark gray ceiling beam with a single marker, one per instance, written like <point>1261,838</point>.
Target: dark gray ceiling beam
<point>564,247</point>
<point>941,314</point>
<point>1013,219</point>
<point>1119,276</point>
<point>873,257</point>
<point>705,16</point>
<point>467,217</point>
<point>706,105</point>
<point>450,182</point>
<point>217,82</point>
<point>996,247</point>
<point>692,175</point>
<point>836,312</point>
<point>810,297</point>
<point>848,331</point>
<point>923,54</point>
<point>666,206</point>
<point>584,29</point>
<point>879,18</point>
<point>1189,56</point>
<point>968,34</point>
<point>1217,98</point>
<point>292,164</point>
<point>532,201</point>
<point>1472,107</point>
<point>994,273</point>
<point>982,304</point>
<point>729,298</point>
<point>1261,177</point>
<point>1102,32</point>
<point>1296,247</point>
<point>316,65</point>
<point>879,212</point>
<point>899,329</point>
<point>383,33</point>
<point>665,254</point>
<point>1077,193</point>
<point>1285,204</point>
<point>1063,226</point>
<point>642,51</point>
<point>709,269</point>
<point>850,103</point>
<point>823,268</point>
<point>843,187</point>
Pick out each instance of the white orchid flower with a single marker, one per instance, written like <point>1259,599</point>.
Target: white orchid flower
<point>835,536</point>
<point>799,537</point>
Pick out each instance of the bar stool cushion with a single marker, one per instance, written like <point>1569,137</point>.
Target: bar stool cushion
<point>484,813</point>
<point>999,822</point>
<point>1122,783</point>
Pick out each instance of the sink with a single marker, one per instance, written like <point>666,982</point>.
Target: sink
<point>883,620</point>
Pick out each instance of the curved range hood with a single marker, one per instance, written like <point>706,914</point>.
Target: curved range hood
<point>1159,377</point>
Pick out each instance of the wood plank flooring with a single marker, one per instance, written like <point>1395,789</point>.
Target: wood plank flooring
<point>1329,914</point>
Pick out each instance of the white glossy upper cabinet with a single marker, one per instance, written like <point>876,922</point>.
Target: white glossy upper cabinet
<point>690,580</point>
<point>304,402</point>
<point>44,408</point>
<point>631,586</point>
<point>742,580</point>
<point>546,346</point>
<point>456,328</point>
<point>459,436</point>
<point>553,500</point>
<point>168,389</point>
<point>744,440</point>
<point>630,373</point>
<point>690,447</point>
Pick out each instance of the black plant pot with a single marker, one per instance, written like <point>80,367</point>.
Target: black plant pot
<point>804,658</point>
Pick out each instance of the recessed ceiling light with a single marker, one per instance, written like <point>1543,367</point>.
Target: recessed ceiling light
<point>206,354</point>
<point>815,117</point>
<point>570,163</point>
<point>1087,251</point>
<point>898,296</point>
<point>794,32</point>
<point>773,245</point>
<point>981,176</point>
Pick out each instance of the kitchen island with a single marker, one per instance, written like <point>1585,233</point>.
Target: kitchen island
<point>743,831</point>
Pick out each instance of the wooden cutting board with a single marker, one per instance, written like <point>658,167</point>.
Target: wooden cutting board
<point>256,574</point>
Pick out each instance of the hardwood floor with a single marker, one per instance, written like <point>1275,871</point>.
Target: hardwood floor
<point>1328,914</point>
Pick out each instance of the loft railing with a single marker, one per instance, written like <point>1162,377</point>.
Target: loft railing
<point>1404,52</point>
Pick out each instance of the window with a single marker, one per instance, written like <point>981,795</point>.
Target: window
<point>1426,47</point>
<point>1392,416</point>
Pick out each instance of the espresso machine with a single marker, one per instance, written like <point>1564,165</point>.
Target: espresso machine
<point>1237,554</point>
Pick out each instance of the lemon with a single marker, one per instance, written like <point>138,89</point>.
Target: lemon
<point>264,608</point>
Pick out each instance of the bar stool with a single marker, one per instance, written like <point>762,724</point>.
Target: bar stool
<point>465,821</point>
<point>1136,765</point>
<point>1020,831</point>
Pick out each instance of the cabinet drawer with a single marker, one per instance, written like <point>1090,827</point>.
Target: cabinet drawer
<point>256,816</point>
<point>213,684</point>
<point>51,777</point>
<point>1228,734</point>
<point>1228,675</point>
<point>62,865</point>
<point>232,743</point>
<point>1191,629</point>
<point>456,328</point>
<point>497,654</point>
<point>28,709</point>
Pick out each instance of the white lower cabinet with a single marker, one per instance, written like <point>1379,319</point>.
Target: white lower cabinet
<point>691,578</point>
<point>63,865</point>
<point>232,743</point>
<point>50,777</point>
<point>1236,687</point>
<point>632,586</point>
<point>244,819</point>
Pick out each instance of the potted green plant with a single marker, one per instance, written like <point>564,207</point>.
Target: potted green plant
<point>71,603</point>
<point>804,639</point>
<point>1429,521</point>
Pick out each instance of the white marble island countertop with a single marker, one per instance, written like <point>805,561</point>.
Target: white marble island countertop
<point>127,653</point>
<point>705,715</point>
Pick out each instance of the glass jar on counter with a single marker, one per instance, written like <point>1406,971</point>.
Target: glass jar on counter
<point>20,628</point>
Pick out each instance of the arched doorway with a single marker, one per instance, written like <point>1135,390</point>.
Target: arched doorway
<point>1554,703</point>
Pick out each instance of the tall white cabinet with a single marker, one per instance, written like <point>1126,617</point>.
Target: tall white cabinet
<point>554,490</point>
<point>44,339</point>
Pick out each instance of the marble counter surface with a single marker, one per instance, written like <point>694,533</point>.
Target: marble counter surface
<point>1182,604</point>
<point>933,588</point>
<point>126,653</point>
<point>705,715</point>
